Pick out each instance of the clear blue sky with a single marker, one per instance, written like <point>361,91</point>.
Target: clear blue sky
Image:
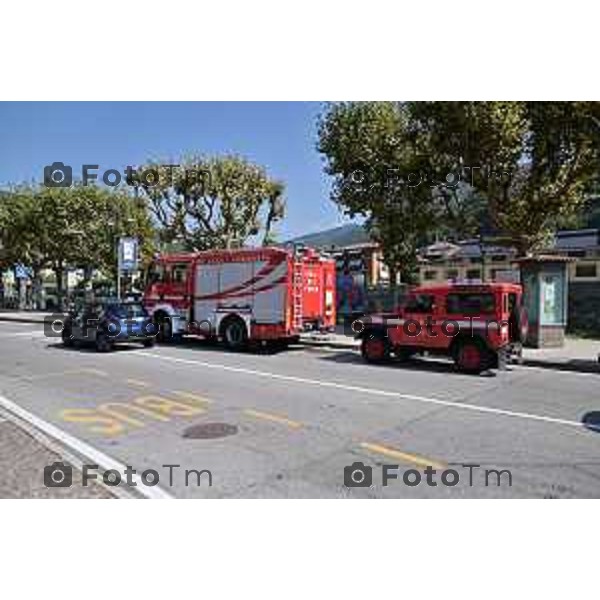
<point>278,135</point>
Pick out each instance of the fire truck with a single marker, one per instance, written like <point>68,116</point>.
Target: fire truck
<point>243,295</point>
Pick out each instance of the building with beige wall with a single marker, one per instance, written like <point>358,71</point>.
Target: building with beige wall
<point>470,260</point>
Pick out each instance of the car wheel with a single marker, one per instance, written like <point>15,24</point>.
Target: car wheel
<point>165,333</point>
<point>375,348</point>
<point>103,343</point>
<point>66,334</point>
<point>235,334</point>
<point>149,343</point>
<point>471,357</point>
<point>165,329</point>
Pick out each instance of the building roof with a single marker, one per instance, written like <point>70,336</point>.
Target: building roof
<point>345,236</point>
<point>442,251</point>
<point>354,236</point>
<point>577,239</point>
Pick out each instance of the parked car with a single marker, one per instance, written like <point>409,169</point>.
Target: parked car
<point>479,325</point>
<point>105,325</point>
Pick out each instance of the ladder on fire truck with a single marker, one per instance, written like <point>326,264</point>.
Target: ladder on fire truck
<point>297,293</point>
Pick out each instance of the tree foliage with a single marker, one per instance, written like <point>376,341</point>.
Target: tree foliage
<point>218,202</point>
<point>371,158</point>
<point>533,163</point>
<point>514,170</point>
<point>72,227</point>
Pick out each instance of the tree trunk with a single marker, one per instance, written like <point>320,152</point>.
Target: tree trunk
<point>22,293</point>
<point>59,272</point>
<point>38,290</point>
<point>393,271</point>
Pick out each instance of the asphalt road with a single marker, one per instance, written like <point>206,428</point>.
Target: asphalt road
<point>286,425</point>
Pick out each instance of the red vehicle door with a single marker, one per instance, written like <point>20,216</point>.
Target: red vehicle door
<point>418,310</point>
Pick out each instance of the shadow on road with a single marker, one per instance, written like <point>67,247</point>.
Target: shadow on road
<point>188,343</point>
<point>90,348</point>
<point>591,420</point>
<point>413,364</point>
<point>575,365</point>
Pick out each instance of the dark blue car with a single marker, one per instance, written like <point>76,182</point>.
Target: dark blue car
<point>109,324</point>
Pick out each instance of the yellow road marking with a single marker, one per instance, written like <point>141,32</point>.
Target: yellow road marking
<point>403,456</point>
<point>115,418</point>
<point>193,397</point>
<point>137,383</point>
<point>97,372</point>
<point>271,417</point>
<point>63,373</point>
<point>167,407</point>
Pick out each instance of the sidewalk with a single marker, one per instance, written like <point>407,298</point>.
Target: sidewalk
<point>23,316</point>
<point>22,462</point>
<point>577,354</point>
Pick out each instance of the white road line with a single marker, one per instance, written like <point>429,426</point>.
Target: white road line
<point>95,456</point>
<point>363,390</point>
<point>33,333</point>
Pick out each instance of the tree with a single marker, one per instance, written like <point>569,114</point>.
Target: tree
<point>373,162</point>
<point>218,202</point>
<point>73,227</point>
<point>513,171</point>
<point>532,163</point>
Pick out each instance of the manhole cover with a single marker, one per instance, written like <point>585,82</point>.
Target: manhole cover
<point>208,431</point>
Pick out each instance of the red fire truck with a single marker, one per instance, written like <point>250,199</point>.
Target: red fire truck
<point>259,294</point>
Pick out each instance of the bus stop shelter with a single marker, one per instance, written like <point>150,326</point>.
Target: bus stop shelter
<point>545,295</point>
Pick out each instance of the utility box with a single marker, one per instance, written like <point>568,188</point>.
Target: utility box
<point>545,295</point>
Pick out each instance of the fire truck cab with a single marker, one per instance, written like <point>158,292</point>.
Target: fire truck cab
<point>242,295</point>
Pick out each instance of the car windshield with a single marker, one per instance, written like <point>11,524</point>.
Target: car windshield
<point>126,311</point>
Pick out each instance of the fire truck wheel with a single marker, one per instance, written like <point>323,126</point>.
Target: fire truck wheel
<point>375,348</point>
<point>471,357</point>
<point>165,329</point>
<point>234,333</point>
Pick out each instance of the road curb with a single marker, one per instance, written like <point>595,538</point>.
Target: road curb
<point>326,344</point>
<point>582,366</point>
<point>13,319</point>
<point>74,451</point>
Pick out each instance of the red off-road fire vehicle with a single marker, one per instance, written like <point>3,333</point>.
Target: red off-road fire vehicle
<point>479,325</point>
